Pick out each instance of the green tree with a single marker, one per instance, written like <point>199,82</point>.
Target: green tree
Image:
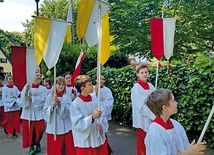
<point>8,39</point>
<point>194,29</point>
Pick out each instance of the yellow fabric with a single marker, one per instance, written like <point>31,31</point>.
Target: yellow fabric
<point>112,47</point>
<point>84,13</point>
<point>41,35</point>
<point>68,36</point>
<point>105,40</point>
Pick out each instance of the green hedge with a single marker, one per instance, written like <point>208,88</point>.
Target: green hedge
<point>192,86</point>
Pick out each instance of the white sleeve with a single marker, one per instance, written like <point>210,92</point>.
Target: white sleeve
<point>48,109</point>
<point>138,99</point>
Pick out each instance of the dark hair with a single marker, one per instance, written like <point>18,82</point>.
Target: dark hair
<point>48,81</point>
<point>80,81</point>
<point>157,99</point>
<point>67,73</point>
<point>1,67</point>
<point>7,76</point>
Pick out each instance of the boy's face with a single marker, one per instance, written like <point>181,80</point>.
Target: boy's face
<point>172,108</point>
<point>10,80</point>
<point>102,80</point>
<point>88,88</point>
<point>60,87</point>
<point>45,83</point>
<point>67,79</point>
<point>143,74</point>
<point>37,78</point>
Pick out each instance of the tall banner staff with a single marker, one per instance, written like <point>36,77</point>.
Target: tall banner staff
<point>206,124</point>
<point>98,54</point>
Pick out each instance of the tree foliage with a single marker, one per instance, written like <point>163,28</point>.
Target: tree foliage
<point>194,28</point>
<point>129,23</point>
<point>8,39</point>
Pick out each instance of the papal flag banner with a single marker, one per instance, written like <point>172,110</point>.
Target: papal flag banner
<point>48,40</point>
<point>162,36</point>
<point>23,65</point>
<point>104,41</point>
<point>88,15</point>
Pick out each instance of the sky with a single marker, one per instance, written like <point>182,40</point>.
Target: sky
<point>13,12</point>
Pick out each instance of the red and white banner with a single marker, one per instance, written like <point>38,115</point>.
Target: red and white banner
<point>77,67</point>
<point>162,36</point>
<point>23,65</point>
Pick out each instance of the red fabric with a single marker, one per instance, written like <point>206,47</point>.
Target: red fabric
<point>141,148</point>
<point>11,121</point>
<point>69,85</point>
<point>169,65</point>
<point>59,94</point>
<point>34,135</point>
<point>86,98</point>
<point>143,84</point>
<point>159,65</point>
<point>49,87</point>
<point>168,125</point>
<point>109,147</point>
<point>63,145</point>
<point>18,61</point>
<point>35,85</point>
<point>156,26</point>
<point>1,116</point>
<point>9,86</point>
<point>101,150</point>
<point>77,67</point>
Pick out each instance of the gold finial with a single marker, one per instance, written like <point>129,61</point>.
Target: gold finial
<point>38,69</point>
<point>48,72</point>
<point>163,9</point>
<point>99,6</point>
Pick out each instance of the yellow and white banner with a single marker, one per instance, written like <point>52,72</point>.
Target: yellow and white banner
<point>48,40</point>
<point>104,39</point>
<point>88,14</point>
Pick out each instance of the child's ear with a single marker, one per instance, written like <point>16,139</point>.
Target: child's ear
<point>164,107</point>
<point>137,74</point>
<point>82,88</point>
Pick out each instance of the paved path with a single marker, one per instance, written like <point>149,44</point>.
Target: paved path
<point>121,139</point>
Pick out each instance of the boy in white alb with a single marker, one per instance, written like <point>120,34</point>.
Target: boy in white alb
<point>106,97</point>
<point>166,136</point>
<point>70,87</point>
<point>89,123</point>
<point>33,126</point>
<point>10,94</point>
<point>141,114</point>
<point>61,128</point>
